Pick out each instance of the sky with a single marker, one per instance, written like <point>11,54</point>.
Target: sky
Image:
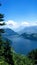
<point>19,12</point>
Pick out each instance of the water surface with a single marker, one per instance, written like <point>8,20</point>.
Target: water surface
<point>23,46</point>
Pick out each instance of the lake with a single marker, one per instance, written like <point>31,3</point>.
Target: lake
<point>21,45</point>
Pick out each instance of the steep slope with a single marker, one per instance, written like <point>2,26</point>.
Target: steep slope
<point>9,32</point>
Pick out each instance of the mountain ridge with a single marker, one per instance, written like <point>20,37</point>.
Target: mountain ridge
<point>31,29</point>
<point>9,32</point>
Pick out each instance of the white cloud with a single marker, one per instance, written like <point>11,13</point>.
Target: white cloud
<point>25,23</point>
<point>12,24</point>
<point>18,25</point>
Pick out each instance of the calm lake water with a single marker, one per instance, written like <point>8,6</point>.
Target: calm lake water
<point>23,46</point>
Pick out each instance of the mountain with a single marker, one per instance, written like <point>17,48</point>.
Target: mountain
<point>32,36</point>
<point>31,29</point>
<point>9,32</point>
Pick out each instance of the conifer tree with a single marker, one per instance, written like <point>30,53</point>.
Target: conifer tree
<point>1,39</point>
<point>5,49</point>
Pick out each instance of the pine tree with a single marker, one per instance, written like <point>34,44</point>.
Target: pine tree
<point>8,53</point>
<point>1,39</point>
<point>5,49</point>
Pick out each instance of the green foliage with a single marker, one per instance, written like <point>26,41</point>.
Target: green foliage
<point>1,19</point>
<point>1,16</point>
<point>33,55</point>
<point>21,60</point>
<point>1,30</point>
<point>5,49</point>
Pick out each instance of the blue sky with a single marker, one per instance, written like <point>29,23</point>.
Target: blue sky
<point>19,10</point>
<point>19,13</point>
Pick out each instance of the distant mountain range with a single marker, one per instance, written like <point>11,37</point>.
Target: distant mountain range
<point>9,32</point>
<point>27,33</point>
<point>32,36</point>
<point>31,29</point>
